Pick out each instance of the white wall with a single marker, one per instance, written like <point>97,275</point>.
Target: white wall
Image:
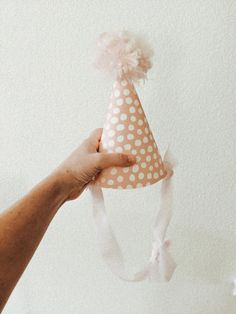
<point>47,109</point>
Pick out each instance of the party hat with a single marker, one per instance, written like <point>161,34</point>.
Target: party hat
<point>126,130</point>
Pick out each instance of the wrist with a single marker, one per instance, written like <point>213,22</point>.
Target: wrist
<point>67,186</point>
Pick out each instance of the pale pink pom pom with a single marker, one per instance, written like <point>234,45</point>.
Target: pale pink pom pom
<point>123,55</point>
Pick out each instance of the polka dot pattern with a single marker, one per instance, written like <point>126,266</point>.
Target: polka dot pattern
<point>126,130</point>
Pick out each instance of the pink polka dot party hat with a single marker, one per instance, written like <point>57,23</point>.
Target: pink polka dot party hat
<point>126,130</point>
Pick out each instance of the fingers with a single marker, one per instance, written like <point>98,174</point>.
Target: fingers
<point>95,135</point>
<point>106,160</point>
<point>93,139</point>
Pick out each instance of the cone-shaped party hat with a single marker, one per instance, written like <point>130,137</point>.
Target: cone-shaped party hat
<point>126,129</point>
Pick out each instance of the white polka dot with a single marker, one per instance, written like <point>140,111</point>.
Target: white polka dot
<point>148,158</point>
<point>149,175</point>
<point>141,175</point>
<point>128,100</point>
<point>131,127</point>
<point>150,149</point>
<point>151,168</point>
<point>116,110</point>
<point>154,156</point>
<point>142,151</point>
<point>138,143</point>
<point>134,152</point>
<point>140,122</point>
<point>110,182</point>
<point>132,109</point>
<point>145,139</point>
<point>126,169</point>
<point>130,136</point>
<point>117,93</point>
<point>120,127</point>
<point>146,130</point>
<point>136,102</point>
<point>127,146</point>
<point>120,179</point>
<point>140,110</point>
<point>123,82</point>
<point>111,143</point>
<point>126,92</point>
<point>161,172</point>
<point>133,118</point>
<point>119,149</point>
<point>143,165</point>
<point>119,102</point>
<point>129,186</point>
<point>139,185</point>
<point>135,168</point>
<point>155,175</point>
<point>156,164</point>
<point>111,133</point>
<point>123,116</point>
<point>120,138</point>
<point>132,177</point>
<point>114,120</point>
<point>113,171</point>
<point>139,131</point>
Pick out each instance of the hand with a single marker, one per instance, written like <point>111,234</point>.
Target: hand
<point>85,163</point>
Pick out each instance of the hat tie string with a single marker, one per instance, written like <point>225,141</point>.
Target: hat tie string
<point>161,265</point>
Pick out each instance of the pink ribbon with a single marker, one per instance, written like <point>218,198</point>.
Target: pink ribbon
<point>161,265</point>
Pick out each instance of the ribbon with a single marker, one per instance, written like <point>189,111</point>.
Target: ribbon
<point>161,265</point>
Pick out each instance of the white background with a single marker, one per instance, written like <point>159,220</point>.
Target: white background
<point>51,97</point>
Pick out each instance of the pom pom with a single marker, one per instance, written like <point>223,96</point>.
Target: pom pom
<point>123,55</point>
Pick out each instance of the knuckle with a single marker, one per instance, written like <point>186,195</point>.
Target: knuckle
<point>123,157</point>
<point>98,130</point>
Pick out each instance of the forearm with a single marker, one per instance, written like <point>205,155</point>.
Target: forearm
<point>22,227</point>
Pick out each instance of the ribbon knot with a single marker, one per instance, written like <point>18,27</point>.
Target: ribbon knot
<point>157,247</point>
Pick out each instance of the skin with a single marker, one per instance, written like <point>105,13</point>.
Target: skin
<point>23,225</point>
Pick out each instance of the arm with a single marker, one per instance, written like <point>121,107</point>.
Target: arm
<point>23,225</point>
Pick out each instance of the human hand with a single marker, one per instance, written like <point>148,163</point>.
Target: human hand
<point>86,162</point>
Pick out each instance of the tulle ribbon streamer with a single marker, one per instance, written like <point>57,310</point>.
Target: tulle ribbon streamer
<point>161,265</point>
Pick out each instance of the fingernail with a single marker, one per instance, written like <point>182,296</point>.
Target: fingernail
<point>131,158</point>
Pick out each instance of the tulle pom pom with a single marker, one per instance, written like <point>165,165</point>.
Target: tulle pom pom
<point>123,55</point>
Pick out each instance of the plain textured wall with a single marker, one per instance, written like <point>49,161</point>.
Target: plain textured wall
<point>51,97</point>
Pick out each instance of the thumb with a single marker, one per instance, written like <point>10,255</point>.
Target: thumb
<point>106,160</point>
